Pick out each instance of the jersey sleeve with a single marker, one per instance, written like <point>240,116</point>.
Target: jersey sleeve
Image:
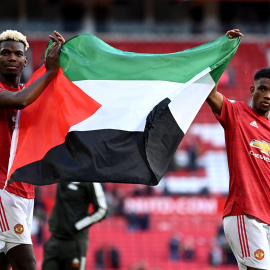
<point>98,200</point>
<point>229,113</point>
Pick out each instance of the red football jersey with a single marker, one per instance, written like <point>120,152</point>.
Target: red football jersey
<point>7,124</point>
<point>247,137</point>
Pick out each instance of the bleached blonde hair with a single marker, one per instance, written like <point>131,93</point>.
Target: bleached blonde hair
<point>14,35</point>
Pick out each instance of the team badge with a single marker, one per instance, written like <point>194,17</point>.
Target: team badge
<point>259,254</point>
<point>75,263</point>
<point>18,228</point>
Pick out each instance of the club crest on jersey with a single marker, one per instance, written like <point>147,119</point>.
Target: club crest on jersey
<point>75,263</point>
<point>263,146</point>
<point>18,228</point>
<point>259,254</point>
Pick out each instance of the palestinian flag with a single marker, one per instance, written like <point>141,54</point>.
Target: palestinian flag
<point>113,116</point>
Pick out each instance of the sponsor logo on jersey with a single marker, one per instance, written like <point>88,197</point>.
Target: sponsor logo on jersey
<point>254,124</point>
<point>259,254</point>
<point>18,228</point>
<point>263,146</point>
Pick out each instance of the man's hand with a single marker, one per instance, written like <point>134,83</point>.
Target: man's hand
<point>52,58</point>
<point>21,99</point>
<point>60,39</point>
<point>234,33</point>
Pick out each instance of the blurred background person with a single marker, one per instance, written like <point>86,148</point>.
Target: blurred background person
<point>69,223</point>
<point>107,256</point>
<point>175,247</point>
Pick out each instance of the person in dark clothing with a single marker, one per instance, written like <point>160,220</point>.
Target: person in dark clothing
<point>69,222</point>
<point>107,257</point>
<point>174,247</point>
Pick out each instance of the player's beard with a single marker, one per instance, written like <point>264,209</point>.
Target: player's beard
<point>12,76</point>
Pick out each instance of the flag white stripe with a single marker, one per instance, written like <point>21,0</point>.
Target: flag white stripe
<point>127,104</point>
<point>186,105</point>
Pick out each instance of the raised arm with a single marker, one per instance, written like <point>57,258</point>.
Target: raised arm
<point>24,97</point>
<point>215,99</point>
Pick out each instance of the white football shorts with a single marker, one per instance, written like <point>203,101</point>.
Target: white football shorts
<point>249,240</point>
<point>16,215</point>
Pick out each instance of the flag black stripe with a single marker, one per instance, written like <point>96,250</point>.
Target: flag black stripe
<point>109,155</point>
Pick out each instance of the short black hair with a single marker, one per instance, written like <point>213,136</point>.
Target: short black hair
<point>262,73</point>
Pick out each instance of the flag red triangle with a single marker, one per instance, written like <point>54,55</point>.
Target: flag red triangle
<point>48,120</point>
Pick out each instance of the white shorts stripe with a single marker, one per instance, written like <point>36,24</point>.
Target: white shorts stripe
<point>3,218</point>
<point>249,239</point>
<point>243,236</point>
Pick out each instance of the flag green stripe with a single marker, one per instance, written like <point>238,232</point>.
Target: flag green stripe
<point>99,61</point>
